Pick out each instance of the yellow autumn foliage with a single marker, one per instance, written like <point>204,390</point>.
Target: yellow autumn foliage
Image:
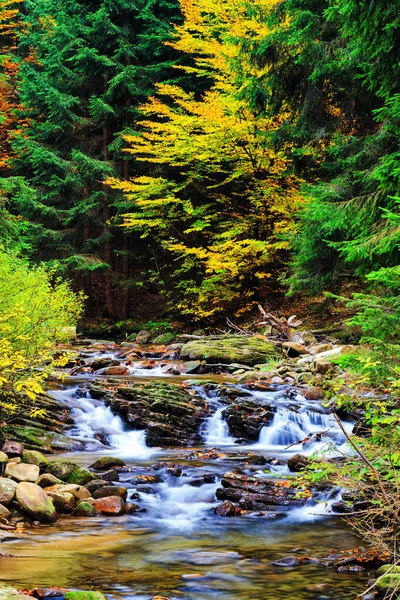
<point>217,195</point>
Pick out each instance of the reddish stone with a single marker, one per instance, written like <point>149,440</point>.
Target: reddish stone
<point>112,505</point>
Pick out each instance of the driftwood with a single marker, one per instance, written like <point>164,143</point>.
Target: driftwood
<point>270,319</point>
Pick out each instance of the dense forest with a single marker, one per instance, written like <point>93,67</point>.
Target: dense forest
<point>195,158</point>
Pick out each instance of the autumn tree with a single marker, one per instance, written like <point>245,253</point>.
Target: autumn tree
<point>217,197</point>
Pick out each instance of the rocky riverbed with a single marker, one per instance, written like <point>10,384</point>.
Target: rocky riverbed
<point>196,438</point>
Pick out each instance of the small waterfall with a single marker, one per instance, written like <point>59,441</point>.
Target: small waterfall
<point>289,428</point>
<point>217,431</point>
<point>95,423</point>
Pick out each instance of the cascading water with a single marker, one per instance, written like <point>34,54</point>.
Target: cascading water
<point>217,430</point>
<point>94,422</point>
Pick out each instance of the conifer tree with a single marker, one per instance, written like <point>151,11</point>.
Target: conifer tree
<point>92,63</point>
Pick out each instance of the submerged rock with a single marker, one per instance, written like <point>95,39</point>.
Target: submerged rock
<point>226,509</point>
<point>229,349</point>
<point>84,596</point>
<point>34,501</point>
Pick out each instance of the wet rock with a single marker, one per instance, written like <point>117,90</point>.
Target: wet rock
<point>163,339</point>
<point>62,468</point>
<point>103,362</point>
<point>85,509</point>
<point>204,479</point>
<point>78,491</point>
<point>22,472</point>
<point>107,462</point>
<point>34,501</point>
<point>131,508</point>
<point>169,413</point>
<point>97,484</point>
<point>112,505</point>
<point>4,512</point>
<point>226,509</point>
<point>288,561</point>
<point>111,475</point>
<point>351,569</point>
<point>63,502</point>
<point>255,459</point>
<point>297,463</point>
<point>143,337</point>
<point>192,367</point>
<point>111,490</point>
<point>7,490</point>
<point>47,479</point>
<point>81,476</point>
<point>257,494</point>
<point>33,457</point>
<point>13,448</point>
<point>113,371</point>
<point>84,595</point>
<point>245,418</point>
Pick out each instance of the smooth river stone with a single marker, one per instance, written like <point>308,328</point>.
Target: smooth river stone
<point>7,490</point>
<point>112,505</point>
<point>111,490</point>
<point>22,472</point>
<point>64,503</point>
<point>35,502</point>
<point>78,491</point>
<point>4,512</point>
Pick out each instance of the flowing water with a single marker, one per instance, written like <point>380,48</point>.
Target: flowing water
<point>177,547</point>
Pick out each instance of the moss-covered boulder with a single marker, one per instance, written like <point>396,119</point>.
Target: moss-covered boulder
<point>230,349</point>
<point>84,596</point>
<point>389,583</point>
<point>164,339</point>
<point>81,476</point>
<point>33,457</point>
<point>169,413</point>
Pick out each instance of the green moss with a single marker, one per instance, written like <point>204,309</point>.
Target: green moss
<point>81,476</point>
<point>84,596</point>
<point>230,349</point>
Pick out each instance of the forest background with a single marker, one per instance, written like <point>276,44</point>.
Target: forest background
<point>190,159</point>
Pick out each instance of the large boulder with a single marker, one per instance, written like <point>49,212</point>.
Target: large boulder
<point>7,490</point>
<point>164,339</point>
<point>47,479</point>
<point>169,413</point>
<point>34,501</point>
<point>230,349</point>
<point>22,472</point>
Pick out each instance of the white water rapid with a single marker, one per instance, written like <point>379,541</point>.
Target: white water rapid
<point>94,422</point>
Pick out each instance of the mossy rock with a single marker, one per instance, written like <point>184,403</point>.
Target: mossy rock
<point>33,457</point>
<point>84,596</point>
<point>85,509</point>
<point>389,583</point>
<point>81,476</point>
<point>164,339</point>
<point>107,462</point>
<point>229,349</point>
<point>385,568</point>
<point>62,468</point>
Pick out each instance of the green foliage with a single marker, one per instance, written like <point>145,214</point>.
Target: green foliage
<point>36,313</point>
